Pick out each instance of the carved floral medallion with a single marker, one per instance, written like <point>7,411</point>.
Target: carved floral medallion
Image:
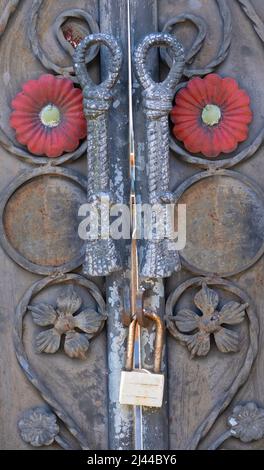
<point>208,321</point>
<point>247,422</point>
<point>211,115</point>
<point>38,427</point>
<point>66,320</point>
<point>48,116</point>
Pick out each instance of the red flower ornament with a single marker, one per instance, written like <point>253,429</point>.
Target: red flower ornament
<point>211,115</point>
<point>48,116</point>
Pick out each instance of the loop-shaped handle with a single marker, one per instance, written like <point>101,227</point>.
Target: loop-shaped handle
<point>115,64</point>
<point>159,341</point>
<point>178,61</point>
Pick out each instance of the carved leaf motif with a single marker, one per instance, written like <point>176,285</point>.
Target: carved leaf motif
<point>227,340</point>
<point>198,344</point>
<point>206,300</point>
<point>69,303</point>
<point>88,321</point>
<point>186,320</point>
<point>76,345</point>
<point>48,341</point>
<point>43,314</point>
<point>232,313</point>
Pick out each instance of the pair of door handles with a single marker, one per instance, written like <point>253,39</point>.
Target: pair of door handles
<point>158,260</point>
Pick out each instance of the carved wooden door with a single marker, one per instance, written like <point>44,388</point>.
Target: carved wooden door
<point>63,333</point>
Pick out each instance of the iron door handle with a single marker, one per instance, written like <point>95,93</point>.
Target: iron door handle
<point>102,256</point>
<point>158,260</point>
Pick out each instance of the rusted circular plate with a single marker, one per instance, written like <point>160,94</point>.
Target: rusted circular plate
<point>39,220</point>
<point>225,222</point>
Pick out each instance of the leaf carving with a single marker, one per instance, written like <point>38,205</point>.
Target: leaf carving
<point>206,300</point>
<point>215,377</point>
<point>43,314</point>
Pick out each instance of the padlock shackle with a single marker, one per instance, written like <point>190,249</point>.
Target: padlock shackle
<point>159,342</point>
<point>130,345</point>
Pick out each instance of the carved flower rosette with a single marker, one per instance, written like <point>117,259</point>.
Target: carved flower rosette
<point>59,348</point>
<point>216,332</point>
<point>66,319</point>
<point>210,321</point>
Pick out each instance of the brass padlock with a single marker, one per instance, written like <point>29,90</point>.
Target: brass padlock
<point>139,387</point>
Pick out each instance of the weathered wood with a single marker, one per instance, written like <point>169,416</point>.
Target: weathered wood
<point>226,224</point>
<point>80,387</point>
<point>191,390</point>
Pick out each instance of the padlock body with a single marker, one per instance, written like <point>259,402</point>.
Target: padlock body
<point>139,388</point>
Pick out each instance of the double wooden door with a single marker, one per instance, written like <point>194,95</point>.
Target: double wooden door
<point>212,306</point>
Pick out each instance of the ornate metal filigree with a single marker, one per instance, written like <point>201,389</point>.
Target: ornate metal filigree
<point>222,54</point>
<point>47,62</point>
<point>65,307</point>
<point>7,12</point>
<point>246,423</point>
<point>102,256</point>
<point>66,321</point>
<point>57,27</point>
<point>202,28</point>
<point>209,321</point>
<point>158,259</point>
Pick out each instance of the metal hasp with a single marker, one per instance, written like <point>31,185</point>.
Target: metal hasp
<point>102,257</point>
<point>158,260</point>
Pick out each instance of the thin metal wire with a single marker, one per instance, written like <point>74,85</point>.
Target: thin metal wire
<point>134,254</point>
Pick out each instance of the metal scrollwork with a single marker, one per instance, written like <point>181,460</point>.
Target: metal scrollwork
<point>199,41</point>
<point>57,28</point>
<point>215,322</point>
<point>158,259</point>
<point>90,25</point>
<point>102,256</point>
<point>64,322</point>
<point>246,423</point>
<point>9,9</point>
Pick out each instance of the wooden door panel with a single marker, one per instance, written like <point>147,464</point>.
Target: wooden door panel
<point>198,387</point>
<point>42,253</point>
<point>40,229</point>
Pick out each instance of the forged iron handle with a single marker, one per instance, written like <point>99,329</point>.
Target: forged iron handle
<point>158,260</point>
<point>102,256</point>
